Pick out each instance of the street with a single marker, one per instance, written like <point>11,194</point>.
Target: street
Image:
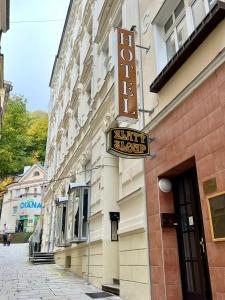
<point>25,281</point>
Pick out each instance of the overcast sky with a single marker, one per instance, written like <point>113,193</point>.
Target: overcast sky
<point>30,48</point>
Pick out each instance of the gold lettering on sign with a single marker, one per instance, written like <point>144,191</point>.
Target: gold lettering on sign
<point>130,136</point>
<point>125,76</point>
<point>126,142</point>
<point>130,147</point>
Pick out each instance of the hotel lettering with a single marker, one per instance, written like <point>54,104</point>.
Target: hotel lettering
<point>125,76</point>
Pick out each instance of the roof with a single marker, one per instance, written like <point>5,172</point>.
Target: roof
<point>61,41</point>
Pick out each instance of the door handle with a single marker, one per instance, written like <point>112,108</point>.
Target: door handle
<point>202,244</point>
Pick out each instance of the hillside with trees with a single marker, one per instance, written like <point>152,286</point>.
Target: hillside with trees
<point>23,139</point>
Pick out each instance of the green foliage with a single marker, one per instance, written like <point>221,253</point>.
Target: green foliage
<point>37,135</point>
<point>23,137</point>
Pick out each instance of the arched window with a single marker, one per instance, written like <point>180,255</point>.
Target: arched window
<point>36,173</point>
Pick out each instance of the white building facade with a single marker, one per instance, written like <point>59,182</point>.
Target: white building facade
<point>22,204</point>
<point>5,87</point>
<point>95,211</point>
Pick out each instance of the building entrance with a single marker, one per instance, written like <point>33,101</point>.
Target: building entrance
<point>22,224</point>
<point>190,234</point>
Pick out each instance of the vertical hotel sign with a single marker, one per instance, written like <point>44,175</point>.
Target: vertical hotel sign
<point>125,76</point>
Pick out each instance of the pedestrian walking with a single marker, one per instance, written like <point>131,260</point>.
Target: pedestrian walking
<point>9,238</point>
<point>5,235</point>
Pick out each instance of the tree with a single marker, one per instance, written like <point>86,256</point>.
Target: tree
<point>37,135</point>
<point>14,141</point>
<point>23,137</point>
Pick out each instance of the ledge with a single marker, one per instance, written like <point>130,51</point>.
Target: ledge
<point>212,19</point>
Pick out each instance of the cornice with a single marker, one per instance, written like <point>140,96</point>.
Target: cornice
<point>194,84</point>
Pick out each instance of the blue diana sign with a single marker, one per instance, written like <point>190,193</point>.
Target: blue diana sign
<point>30,204</point>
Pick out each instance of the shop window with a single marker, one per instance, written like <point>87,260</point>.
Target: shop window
<point>79,196</point>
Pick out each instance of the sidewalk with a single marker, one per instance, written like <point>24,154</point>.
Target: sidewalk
<point>22,280</point>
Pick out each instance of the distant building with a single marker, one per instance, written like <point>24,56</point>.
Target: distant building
<point>22,204</point>
<point>5,87</point>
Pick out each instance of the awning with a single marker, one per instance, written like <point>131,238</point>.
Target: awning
<point>61,200</point>
<point>76,185</point>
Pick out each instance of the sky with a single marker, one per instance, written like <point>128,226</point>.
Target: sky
<point>29,48</point>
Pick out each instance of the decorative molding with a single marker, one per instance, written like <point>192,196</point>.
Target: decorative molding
<point>131,196</point>
<point>146,22</point>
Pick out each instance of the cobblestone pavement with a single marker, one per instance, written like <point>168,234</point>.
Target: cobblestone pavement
<point>22,280</point>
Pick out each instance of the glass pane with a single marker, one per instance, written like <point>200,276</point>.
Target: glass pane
<point>76,224</point>
<point>197,277</point>
<point>198,11</point>
<point>63,220</point>
<point>170,46</point>
<point>186,245</point>
<point>211,2</point>
<point>85,213</point>
<point>179,8</point>
<point>183,218</point>
<point>168,24</point>
<point>189,274</point>
<point>181,32</point>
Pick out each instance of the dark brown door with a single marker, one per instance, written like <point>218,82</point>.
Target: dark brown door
<point>190,233</point>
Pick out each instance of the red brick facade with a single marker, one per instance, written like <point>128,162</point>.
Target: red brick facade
<point>194,132</point>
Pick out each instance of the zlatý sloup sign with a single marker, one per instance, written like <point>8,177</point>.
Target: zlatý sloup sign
<point>128,143</point>
<point>125,76</point>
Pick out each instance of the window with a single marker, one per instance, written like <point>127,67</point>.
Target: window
<point>36,173</point>
<point>61,213</point>
<point>175,30</point>
<point>17,193</point>
<point>198,11</point>
<point>88,93</point>
<point>211,2</point>
<point>14,212</point>
<point>35,192</point>
<point>80,202</point>
<point>27,190</point>
<point>174,23</point>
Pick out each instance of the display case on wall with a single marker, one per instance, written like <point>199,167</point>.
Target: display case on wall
<point>216,205</point>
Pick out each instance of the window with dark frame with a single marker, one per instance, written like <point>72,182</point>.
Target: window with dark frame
<point>61,214</point>
<point>80,201</point>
